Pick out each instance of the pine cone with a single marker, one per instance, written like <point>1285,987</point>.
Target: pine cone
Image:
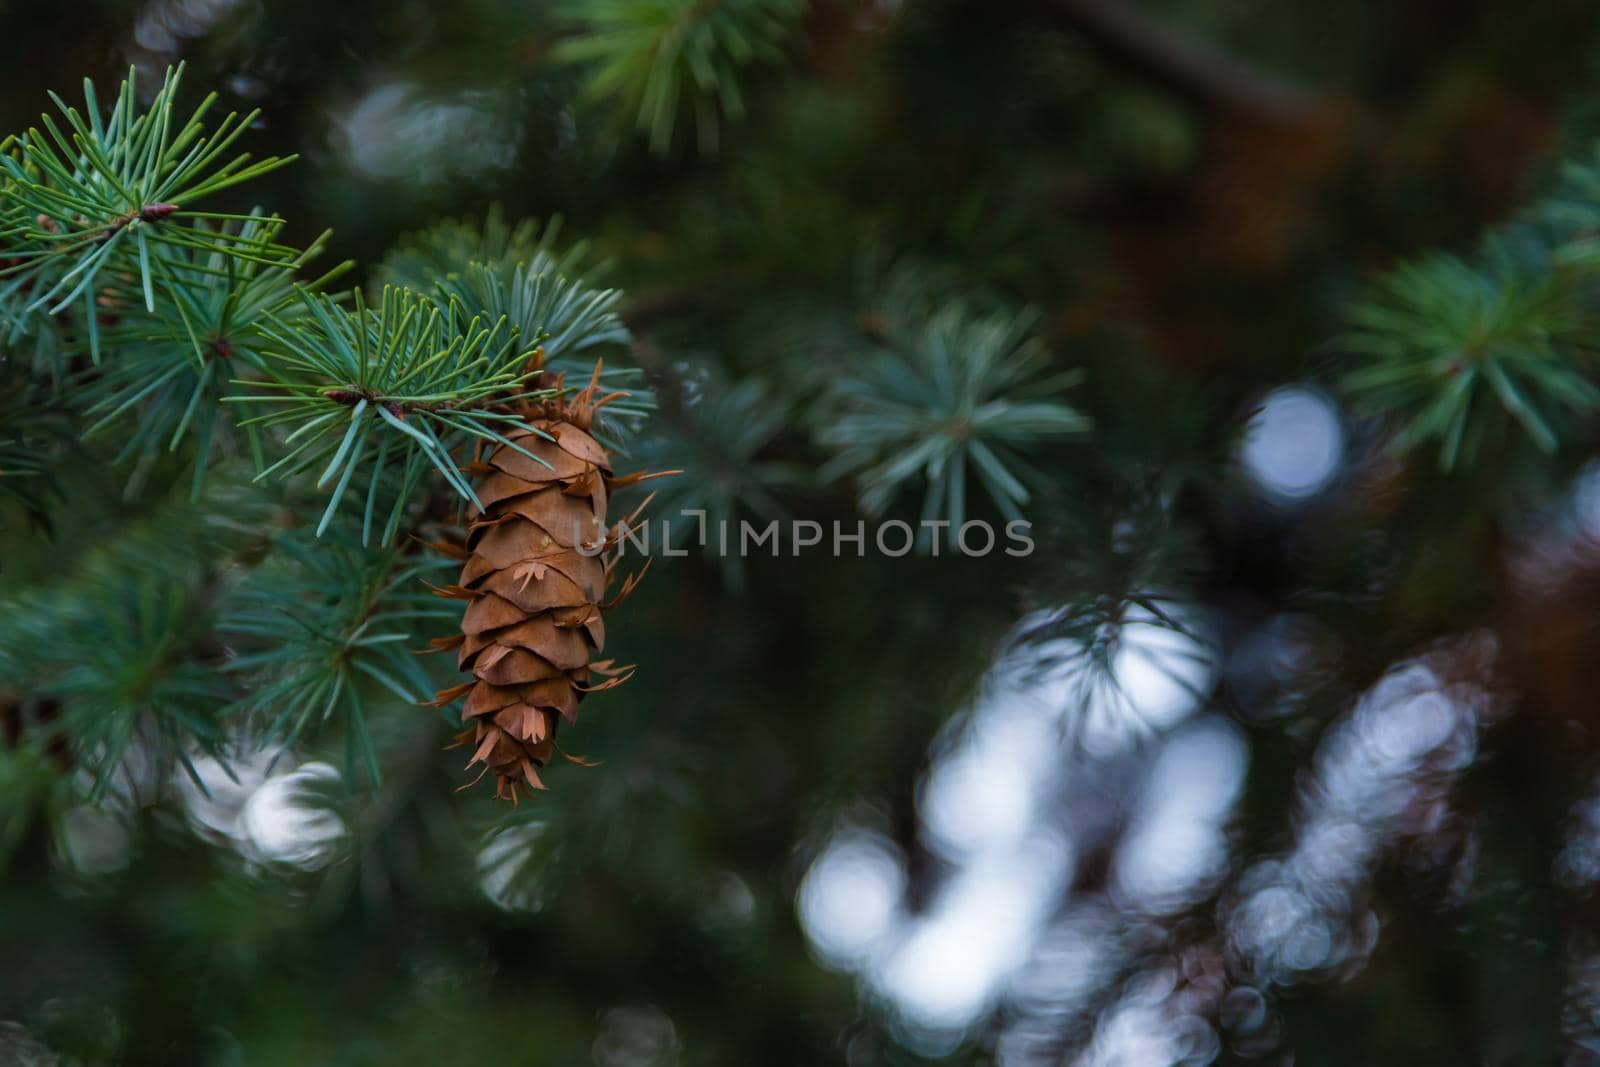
<point>534,578</point>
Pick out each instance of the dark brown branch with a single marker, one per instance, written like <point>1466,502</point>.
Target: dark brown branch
<point>1180,63</point>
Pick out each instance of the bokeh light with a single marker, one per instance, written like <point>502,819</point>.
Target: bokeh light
<point>1294,445</point>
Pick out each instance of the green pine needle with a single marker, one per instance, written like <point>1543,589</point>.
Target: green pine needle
<point>966,395</point>
<point>1452,351</point>
<point>174,366</point>
<point>326,630</point>
<point>662,62</point>
<point>93,196</point>
<point>409,379</point>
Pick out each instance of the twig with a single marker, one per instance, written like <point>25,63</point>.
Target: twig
<point>1183,64</point>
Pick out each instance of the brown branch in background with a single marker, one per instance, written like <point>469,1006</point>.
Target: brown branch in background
<point>1181,63</point>
<point>645,307</point>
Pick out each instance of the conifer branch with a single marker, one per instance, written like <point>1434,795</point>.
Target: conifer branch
<point>175,365</point>
<point>324,630</point>
<point>664,62</point>
<point>104,198</point>
<point>1458,350</point>
<point>961,395</point>
<point>406,382</point>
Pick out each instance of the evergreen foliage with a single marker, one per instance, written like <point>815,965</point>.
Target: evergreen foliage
<point>109,194</point>
<point>176,363</point>
<point>319,626</point>
<point>1459,348</point>
<point>366,388</point>
<point>962,394</point>
<point>669,62</point>
<point>1274,745</point>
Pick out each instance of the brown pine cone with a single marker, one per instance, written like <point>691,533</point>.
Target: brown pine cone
<point>534,577</point>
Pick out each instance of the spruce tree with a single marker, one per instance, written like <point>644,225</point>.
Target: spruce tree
<point>1114,482</point>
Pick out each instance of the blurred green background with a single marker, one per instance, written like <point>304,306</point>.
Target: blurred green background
<point>851,810</point>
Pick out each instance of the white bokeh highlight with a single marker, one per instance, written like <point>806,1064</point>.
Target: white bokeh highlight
<point>1294,446</point>
<point>998,807</point>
